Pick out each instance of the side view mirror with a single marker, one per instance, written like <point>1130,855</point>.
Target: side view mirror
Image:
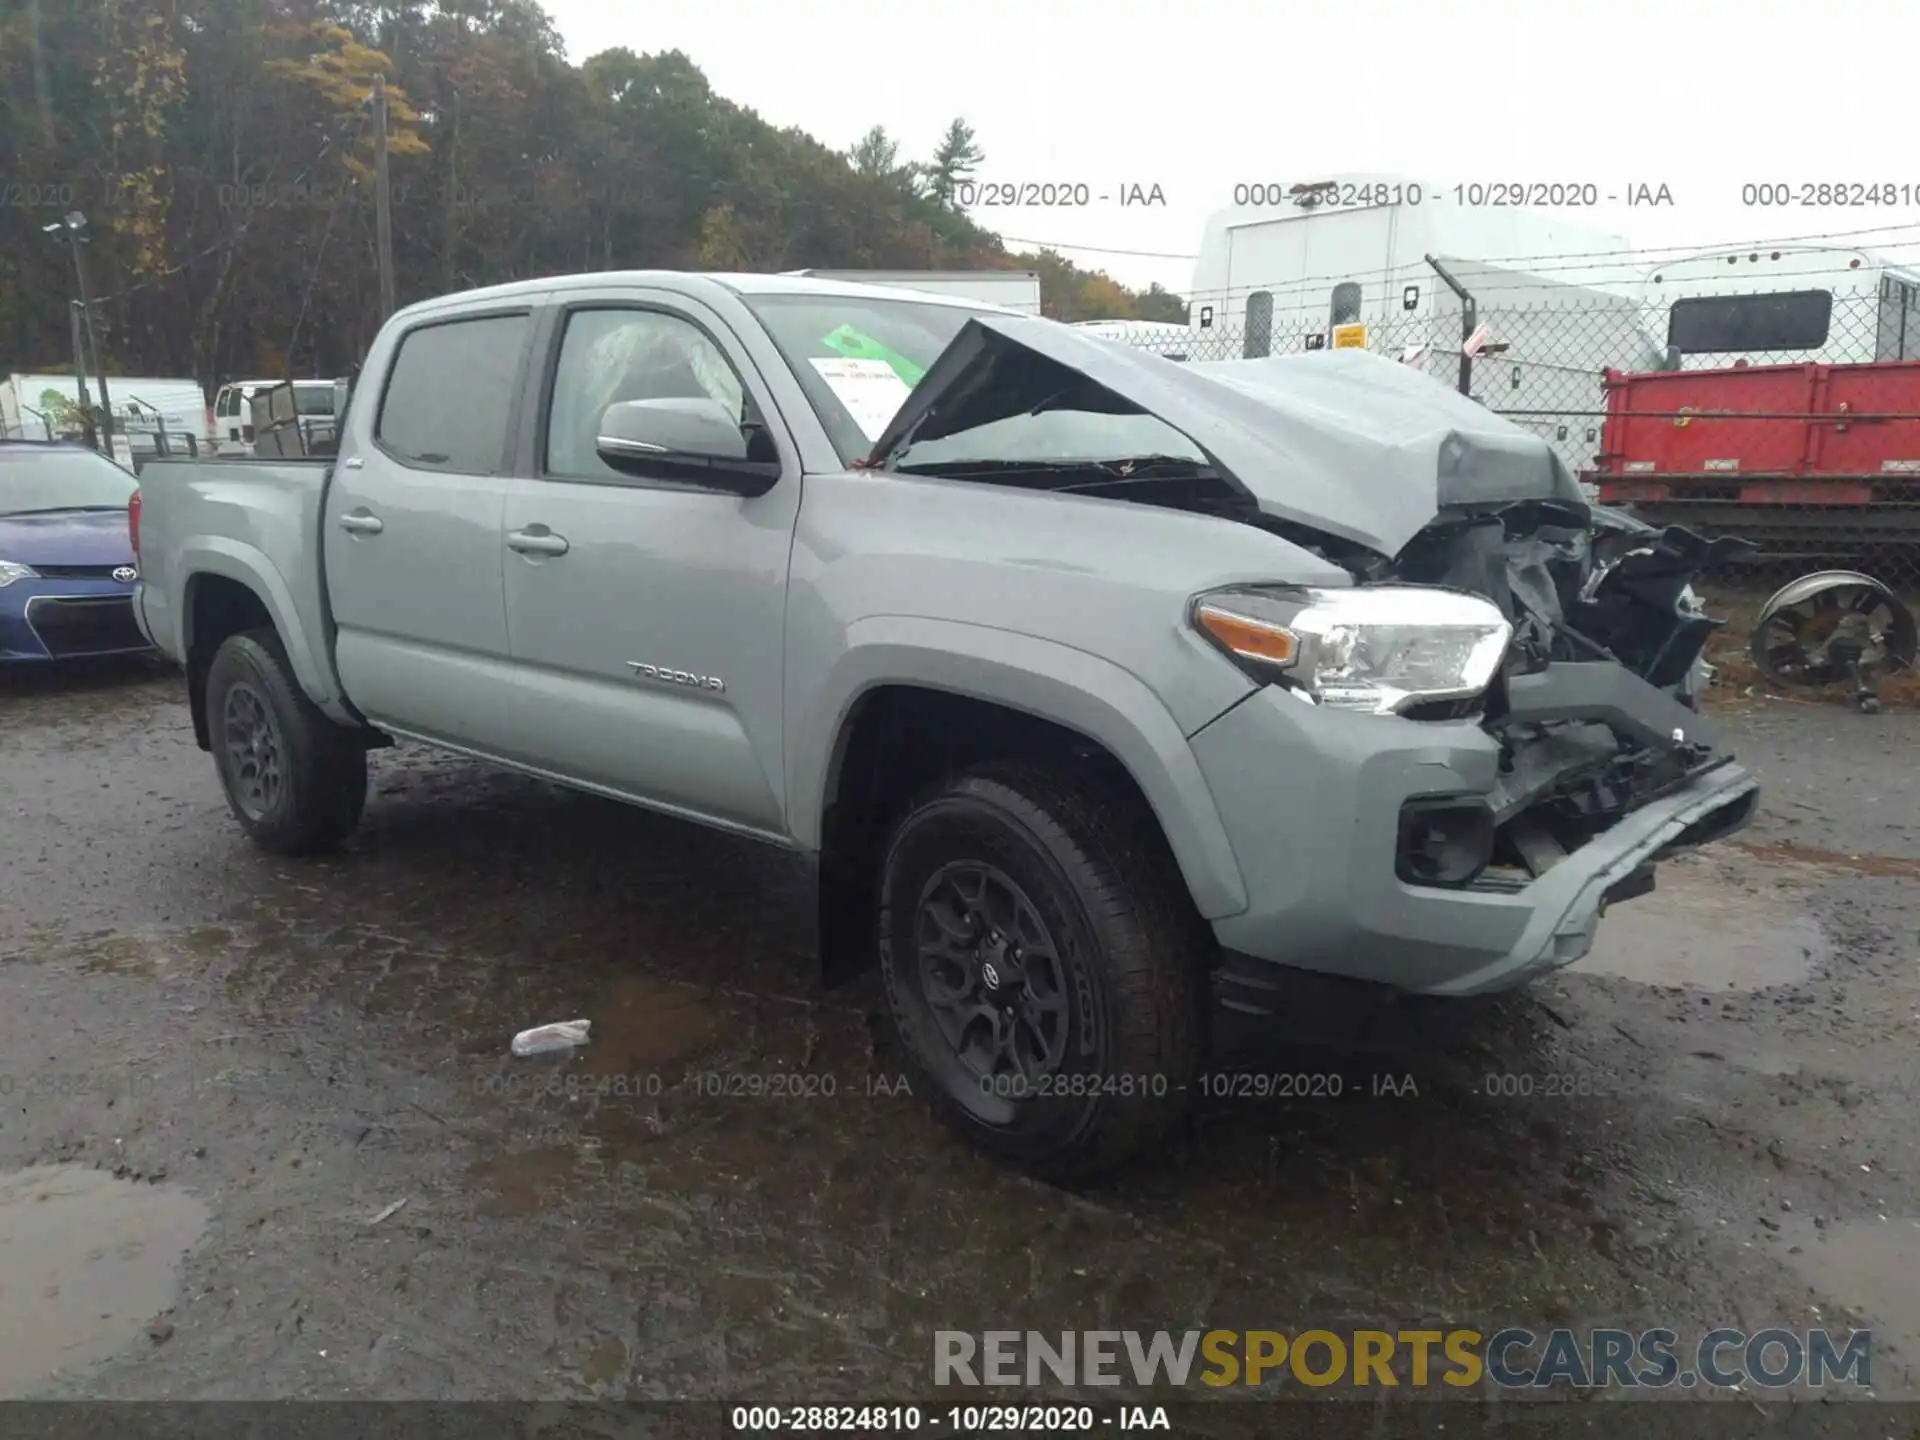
<point>692,440</point>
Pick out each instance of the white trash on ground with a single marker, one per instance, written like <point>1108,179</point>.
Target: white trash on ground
<point>561,1035</point>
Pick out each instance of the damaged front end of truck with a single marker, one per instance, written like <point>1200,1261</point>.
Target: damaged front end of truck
<point>1399,482</point>
<point>1595,703</point>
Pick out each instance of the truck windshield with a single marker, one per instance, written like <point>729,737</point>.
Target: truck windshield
<point>1054,438</point>
<point>35,478</point>
<point>857,358</point>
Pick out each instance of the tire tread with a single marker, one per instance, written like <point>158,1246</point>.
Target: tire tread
<point>1117,865</point>
<point>326,762</point>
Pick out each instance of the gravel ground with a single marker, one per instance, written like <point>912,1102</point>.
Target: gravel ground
<point>262,1137</point>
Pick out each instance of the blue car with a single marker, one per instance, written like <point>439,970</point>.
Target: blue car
<point>66,559</point>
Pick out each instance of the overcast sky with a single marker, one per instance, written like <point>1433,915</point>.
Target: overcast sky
<point>1199,96</point>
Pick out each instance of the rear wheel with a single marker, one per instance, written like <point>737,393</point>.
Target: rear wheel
<point>294,779</point>
<point>1044,967</point>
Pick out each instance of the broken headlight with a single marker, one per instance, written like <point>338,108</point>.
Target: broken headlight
<point>1375,648</point>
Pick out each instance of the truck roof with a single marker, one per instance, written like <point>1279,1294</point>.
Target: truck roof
<point>691,282</point>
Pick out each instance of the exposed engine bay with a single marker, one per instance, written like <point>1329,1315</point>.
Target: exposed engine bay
<point>1596,703</point>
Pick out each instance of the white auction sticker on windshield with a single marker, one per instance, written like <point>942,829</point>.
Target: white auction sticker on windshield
<point>871,391</point>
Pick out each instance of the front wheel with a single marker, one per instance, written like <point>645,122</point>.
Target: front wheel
<point>1044,967</point>
<point>295,780</point>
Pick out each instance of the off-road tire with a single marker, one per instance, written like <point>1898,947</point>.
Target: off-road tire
<point>322,765</point>
<point>1090,858</point>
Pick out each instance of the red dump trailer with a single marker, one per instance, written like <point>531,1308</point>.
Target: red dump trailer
<point>1816,461</point>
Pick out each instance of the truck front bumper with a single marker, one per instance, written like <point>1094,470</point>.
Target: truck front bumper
<point>1311,800</point>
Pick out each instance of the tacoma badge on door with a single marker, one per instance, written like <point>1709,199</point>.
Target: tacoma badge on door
<point>676,677</point>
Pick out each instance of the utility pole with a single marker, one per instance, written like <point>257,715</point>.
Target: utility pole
<point>73,222</point>
<point>1469,320</point>
<point>382,199</point>
<point>42,92</point>
<point>450,218</point>
<point>80,372</point>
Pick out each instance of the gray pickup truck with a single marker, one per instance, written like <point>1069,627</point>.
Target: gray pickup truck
<point>1107,695</point>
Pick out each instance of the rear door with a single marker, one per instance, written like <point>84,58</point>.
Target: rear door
<point>226,418</point>
<point>648,614</point>
<point>411,534</point>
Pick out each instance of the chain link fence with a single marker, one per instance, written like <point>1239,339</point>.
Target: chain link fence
<point>1818,467</point>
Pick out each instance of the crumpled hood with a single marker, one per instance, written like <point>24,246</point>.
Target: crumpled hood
<point>1347,443</point>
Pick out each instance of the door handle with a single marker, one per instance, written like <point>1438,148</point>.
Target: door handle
<point>537,540</point>
<point>359,522</point>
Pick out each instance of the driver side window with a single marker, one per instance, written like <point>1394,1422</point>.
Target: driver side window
<point>607,356</point>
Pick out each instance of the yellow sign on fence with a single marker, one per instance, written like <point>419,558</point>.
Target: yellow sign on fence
<point>1349,337</point>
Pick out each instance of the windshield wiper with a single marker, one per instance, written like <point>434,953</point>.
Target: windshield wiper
<point>1144,470</point>
<point>991,467</point>
<point>1110,472</point>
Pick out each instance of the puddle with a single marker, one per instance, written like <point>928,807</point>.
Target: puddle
<point>520,1184</point>
<point>132,953</point>
<point>1873,1268</point>
<point>86,1262</point>
<point>645,1027</point>
<point>606,1364</point>
<point>1892,866</point>
<point>1710,934</point>
<point>141,951</point>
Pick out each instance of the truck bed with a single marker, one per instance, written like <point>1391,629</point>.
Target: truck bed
<point>255,522</point>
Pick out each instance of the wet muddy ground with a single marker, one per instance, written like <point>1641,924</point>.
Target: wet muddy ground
<point>261,1136</point>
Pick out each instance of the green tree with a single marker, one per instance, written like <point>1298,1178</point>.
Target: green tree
<point>875,153</point>
<point>955,159</point>
<point>1154,303</point>
<point>222,152</point>
<point>876,156</point>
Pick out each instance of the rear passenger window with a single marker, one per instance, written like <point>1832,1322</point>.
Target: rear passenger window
<point>449,392</point>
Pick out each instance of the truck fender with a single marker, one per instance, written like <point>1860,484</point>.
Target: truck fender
<point>1054,682</point>
<point>238,561</point>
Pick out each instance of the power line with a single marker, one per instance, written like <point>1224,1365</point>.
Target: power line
<point>1638,257</point>
<point>1095,249</point>
<point>1506,278</point>
<point>1490,284</point>
<point>1638,269</point>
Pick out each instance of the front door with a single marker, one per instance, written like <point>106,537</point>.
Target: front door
<point>411,532</point>
<point>647,614</point>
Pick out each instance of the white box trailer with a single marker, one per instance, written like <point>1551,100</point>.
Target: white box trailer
<point>41,407</point>
<point>1014,289</point>
<point>1558,298</point>
<point>1284,253</point>
<point>144,406</point>
<point>38,406</point>
<point>1785,302</point>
